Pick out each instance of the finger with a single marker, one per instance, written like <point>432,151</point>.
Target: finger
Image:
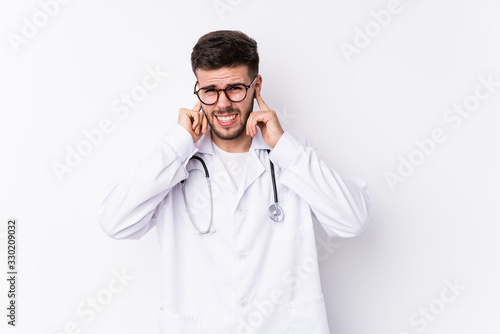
<point>252,122</point>
<point>260,121</point>
<point>260,101</point>
<point>197,106</point>
<point>204,124</point>
<point>249,124</point>
<point>195,118</point>
<point>199,125</point>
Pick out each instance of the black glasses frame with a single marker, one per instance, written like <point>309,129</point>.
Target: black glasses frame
<point>225,92</point>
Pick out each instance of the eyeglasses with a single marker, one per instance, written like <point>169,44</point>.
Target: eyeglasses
<point>234,93</point>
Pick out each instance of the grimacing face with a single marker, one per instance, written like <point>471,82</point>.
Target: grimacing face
<point>227,119</point>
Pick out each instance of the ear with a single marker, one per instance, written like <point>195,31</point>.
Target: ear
<point>258,83</point>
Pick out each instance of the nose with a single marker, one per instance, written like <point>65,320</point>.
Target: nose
<point>223,101</point>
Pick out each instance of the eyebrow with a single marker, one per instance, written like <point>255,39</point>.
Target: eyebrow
<point>214,86</point>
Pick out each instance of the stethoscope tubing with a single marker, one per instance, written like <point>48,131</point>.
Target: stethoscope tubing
<point>275,211</point>
<point>209,185</point>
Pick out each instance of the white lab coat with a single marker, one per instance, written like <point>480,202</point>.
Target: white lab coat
<point>253,275</point>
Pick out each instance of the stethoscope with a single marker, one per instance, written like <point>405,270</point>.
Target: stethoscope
<point>275,212</point>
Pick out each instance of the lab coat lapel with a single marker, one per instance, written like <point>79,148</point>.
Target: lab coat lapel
<point>254,167</point>
<point>253,171</point>
<point>217,169</point>
<point>204,144</point>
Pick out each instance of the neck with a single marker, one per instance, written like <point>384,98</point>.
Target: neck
<point>236,145</point>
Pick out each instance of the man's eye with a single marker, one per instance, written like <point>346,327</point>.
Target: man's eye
<point>209,90</point>
<point>235,88</point>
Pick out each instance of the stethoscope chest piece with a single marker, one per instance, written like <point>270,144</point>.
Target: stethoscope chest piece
<point>210,230</point>
<point>276,213</point>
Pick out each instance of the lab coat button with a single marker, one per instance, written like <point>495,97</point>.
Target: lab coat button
<point>242,256</point>
<point>243,303</point>
<point>240,212</point>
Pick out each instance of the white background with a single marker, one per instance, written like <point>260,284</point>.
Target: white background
<point>363,112</point>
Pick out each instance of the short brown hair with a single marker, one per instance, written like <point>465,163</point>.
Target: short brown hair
<point>225,48</point>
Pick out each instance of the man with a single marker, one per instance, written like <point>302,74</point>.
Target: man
<point>238,249</point>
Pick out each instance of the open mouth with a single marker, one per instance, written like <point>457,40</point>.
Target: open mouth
<point>226,120</point>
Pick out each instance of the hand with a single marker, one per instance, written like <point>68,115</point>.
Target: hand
<point>193,121</point>
<point>267,120</point>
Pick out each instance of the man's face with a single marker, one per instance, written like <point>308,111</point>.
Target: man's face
<point>226,118</point>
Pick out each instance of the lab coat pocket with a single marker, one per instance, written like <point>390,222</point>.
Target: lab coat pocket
<point>309,316</point>
<point>174,323</point>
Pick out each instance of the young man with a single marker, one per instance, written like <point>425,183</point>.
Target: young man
<point>238,248</point>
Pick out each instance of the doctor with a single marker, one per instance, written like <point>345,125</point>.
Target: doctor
<point>238,249</point>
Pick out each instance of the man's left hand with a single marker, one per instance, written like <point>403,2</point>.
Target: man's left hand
<point>267,120</point>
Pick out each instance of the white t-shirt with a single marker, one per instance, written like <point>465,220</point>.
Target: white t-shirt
<point>235,164</point>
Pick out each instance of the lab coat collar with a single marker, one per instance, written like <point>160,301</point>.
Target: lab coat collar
<point>204,144</point>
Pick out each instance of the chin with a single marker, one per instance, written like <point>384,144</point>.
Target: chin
<point>225,135</point>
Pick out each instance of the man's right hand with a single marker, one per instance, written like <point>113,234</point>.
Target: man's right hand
<point>193,121</point>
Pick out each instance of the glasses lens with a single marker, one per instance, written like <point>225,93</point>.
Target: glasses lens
<point>236,93</point>
<point>208,96</point>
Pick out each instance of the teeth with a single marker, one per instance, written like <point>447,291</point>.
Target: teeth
<point>226,119</point>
